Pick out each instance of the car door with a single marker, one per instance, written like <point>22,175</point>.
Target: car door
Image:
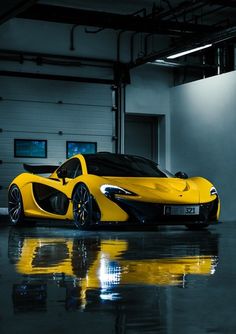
<point>54,195</point>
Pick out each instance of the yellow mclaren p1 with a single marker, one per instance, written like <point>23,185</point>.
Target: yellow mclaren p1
<point>105,187</point>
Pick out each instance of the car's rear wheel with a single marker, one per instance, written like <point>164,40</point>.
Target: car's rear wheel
<point>82,207</point>
<point>15,206</point>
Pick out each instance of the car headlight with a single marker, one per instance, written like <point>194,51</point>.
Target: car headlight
<point>213,191</point>
<point>110,190</point>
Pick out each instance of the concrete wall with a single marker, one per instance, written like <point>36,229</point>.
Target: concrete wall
<point>54,38</point>
<point>48,37</point>
<point>149,94</point>
<point>203,136</point>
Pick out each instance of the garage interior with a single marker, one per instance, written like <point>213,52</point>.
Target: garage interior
<point>105,72</point>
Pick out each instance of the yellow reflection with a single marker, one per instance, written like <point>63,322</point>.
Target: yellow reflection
<point>45,256</point>
<point>105,267</point>
<point>102,264</point>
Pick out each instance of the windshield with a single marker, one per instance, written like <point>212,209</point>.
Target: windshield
<point>122,165</point>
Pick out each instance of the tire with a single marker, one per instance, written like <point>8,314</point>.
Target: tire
<point>82,207</point>
<point>15,206</point>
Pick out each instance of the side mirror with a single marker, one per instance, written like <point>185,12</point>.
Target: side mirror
<point>62,174</point>
<point>181,175</point>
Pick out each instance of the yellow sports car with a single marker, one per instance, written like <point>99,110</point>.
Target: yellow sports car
<point>105,187</point>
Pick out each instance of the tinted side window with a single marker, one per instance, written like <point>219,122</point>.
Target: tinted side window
<point>73,168</point>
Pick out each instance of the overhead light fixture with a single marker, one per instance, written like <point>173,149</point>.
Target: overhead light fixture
<point>183,53</point>
<point>161,62</point>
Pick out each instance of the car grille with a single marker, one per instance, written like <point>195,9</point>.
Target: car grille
<point>146,212</point>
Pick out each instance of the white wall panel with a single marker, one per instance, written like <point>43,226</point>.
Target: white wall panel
<point>148,92</point>
<point>203,134</point>
<point>29,109</point>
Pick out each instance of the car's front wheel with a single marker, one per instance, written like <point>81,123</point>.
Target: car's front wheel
<point>15,206</point>
<point>82,207</point>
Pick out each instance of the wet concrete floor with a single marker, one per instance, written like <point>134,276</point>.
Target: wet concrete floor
<point>164,280</point>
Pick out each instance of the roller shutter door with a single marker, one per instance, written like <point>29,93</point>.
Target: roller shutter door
<point>55,111</point>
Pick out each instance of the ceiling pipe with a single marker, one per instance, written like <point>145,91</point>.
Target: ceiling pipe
<point>132,46</point>
<point>72,32</point>
<point>20,56</point>
<point>215,38</point>
<point>31,75</point>
<point>110,20</point>
<point>208,13</point>
<point>144,12</point>
<point>183,7</point>
<point>118,45</point>
<point>146,43</point>
<point>226,3</point>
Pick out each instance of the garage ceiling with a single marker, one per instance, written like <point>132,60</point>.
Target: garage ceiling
<point>194,22</point>
<point>216,10</point>
<point>11,8</point>
<point>169,17</point>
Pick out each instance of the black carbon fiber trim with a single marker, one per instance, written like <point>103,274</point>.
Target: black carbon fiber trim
<point>148,212</point>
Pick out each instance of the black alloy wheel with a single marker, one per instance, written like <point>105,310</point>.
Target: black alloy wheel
<point>15,206</point>
<point>82,207</point>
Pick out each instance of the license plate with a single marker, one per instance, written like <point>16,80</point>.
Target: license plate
<point>182,210</point>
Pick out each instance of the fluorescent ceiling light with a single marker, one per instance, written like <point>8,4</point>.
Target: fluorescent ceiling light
<point>162,62</point>
<point>189,51</point>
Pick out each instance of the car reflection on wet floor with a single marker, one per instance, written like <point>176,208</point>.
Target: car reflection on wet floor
<point>127,281</point>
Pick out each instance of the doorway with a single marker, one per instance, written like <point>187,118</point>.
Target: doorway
<point>141,136</point>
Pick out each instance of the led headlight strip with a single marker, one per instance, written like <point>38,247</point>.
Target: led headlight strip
<point>109,190</point>
<point>213,191</point>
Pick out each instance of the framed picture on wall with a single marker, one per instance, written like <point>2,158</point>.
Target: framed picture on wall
<point>77,147</point>
<point>30,148</point>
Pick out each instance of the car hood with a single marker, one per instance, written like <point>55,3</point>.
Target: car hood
<point>166,189</point>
